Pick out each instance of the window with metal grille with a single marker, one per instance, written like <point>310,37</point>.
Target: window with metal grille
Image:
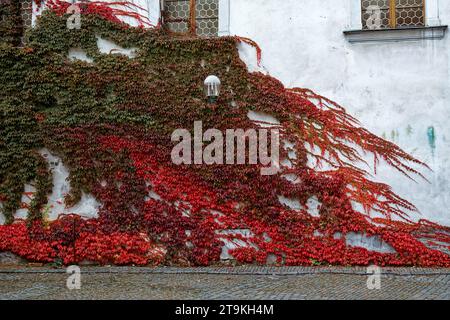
<point>391,14</point>
<point>199,17</point>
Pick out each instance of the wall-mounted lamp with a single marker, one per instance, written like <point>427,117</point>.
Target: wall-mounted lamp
<point>212,88</point>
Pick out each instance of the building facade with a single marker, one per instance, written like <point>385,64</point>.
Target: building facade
<point>386,61</point>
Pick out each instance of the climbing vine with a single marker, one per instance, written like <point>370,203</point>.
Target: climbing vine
<point>111,120</point>
<point>10,22</point>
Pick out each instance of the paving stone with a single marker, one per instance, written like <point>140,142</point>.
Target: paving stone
<point>8,258</point>
<point>224,283</point>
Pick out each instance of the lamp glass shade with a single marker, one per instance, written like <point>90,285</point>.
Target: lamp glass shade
<point>212,87</point>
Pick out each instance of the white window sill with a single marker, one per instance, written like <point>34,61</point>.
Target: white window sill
<point>401,34</point>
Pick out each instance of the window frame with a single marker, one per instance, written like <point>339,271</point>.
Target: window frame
<point>393,19</point>
<point>433,29</point>
<point>432,18</point>
<point>192,17</point>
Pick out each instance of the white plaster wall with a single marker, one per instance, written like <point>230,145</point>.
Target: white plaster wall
<point>88,206</point>
<point>397,90</point>
<point>108,47</point>
<point>150,9</point>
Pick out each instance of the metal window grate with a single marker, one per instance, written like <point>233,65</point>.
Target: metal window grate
<point>369,13</point>
<point>177,16</point>
<point>207,17</point>
<point>410,13</point>
<point>383,14</point>
<point>27,13</point>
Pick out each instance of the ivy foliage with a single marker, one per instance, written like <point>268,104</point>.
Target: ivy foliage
<point>45,95</point>
<point>111,121</point>
<point>11,28</point>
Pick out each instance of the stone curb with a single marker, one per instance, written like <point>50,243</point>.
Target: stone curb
<point>246,270</point>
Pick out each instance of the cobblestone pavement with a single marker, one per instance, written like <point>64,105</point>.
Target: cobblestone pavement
<point>296,283</point>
